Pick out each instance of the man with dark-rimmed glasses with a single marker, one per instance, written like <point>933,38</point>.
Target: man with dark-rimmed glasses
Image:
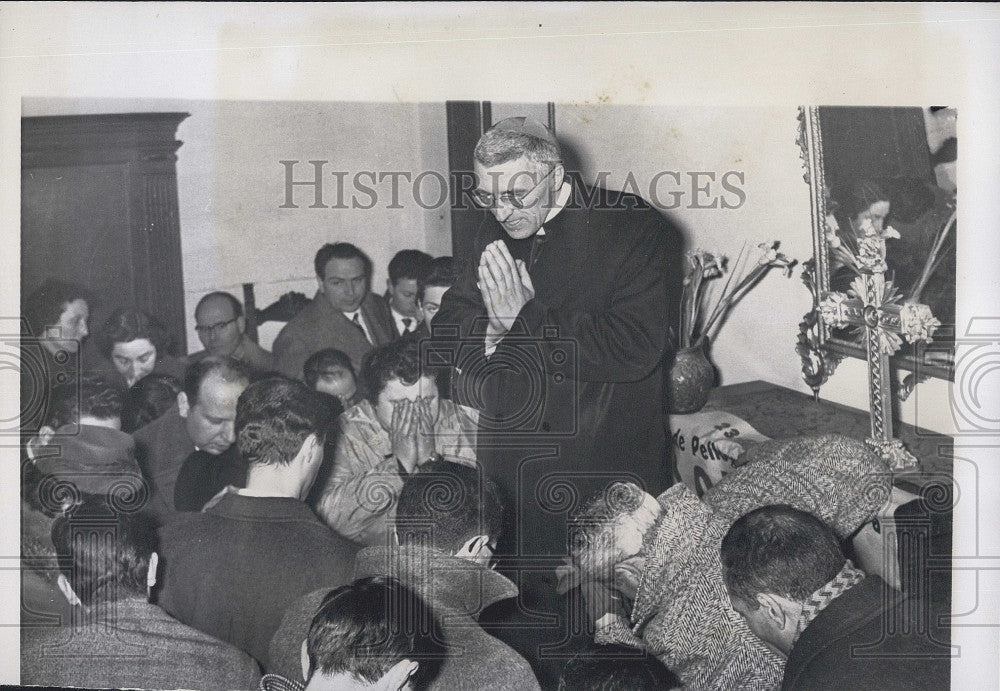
<point>221,328</point>
<point>562,313</point>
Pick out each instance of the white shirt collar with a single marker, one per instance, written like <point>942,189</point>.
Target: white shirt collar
<point>362,322</point>
<point>401,320</point>
<point>399,316</point>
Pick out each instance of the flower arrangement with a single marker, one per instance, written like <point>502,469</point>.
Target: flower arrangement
<point>863,250</point>
<point>703,311</point>
<point>863,253</point>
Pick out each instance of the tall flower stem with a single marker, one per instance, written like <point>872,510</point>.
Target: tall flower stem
<point>701,314</point>
<point>933,260</point>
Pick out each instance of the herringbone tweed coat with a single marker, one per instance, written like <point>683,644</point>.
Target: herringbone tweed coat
<point>682,612</point>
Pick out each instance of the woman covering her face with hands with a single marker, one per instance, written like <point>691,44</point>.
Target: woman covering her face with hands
<point>402,423</point>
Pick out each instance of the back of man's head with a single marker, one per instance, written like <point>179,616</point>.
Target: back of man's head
<point>616,668</point>
<point>104,553</point>
<point>373,630</point>
<point>779,550</point>
<point>93,399</point>
<point>225,368</point>
<point>446,505</point>
<point>275,416</point>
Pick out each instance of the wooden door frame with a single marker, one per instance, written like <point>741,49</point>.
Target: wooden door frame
<point>145,144</point>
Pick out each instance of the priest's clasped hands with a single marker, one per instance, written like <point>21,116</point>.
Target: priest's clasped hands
<point>505,286</point>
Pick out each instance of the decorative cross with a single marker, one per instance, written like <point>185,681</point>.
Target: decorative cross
<point>872,303</point>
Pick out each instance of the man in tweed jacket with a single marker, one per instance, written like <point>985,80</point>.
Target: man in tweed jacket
<point>681,610</point>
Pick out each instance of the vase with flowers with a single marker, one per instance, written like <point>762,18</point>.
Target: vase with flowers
<point>704,311</point>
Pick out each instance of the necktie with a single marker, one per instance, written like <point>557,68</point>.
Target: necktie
<point>356,320</point>
<point>406,324</point>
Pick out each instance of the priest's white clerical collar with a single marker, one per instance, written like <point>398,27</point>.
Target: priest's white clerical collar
<point>561,199</point>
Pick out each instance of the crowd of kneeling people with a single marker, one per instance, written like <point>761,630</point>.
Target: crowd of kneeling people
<point>217,524</point>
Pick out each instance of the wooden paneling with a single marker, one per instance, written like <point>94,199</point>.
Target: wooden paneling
<point>99,207</point>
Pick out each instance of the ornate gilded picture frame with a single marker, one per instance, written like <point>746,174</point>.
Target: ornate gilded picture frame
<point>894,167</point>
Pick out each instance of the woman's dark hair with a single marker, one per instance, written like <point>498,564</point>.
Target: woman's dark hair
<point>126,325</point>
<point>47,303</point>
<point>148,399</point>
<point>862,195</point>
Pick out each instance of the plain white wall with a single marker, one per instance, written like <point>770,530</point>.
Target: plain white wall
<point>231,186</point>
<point>758,341</point>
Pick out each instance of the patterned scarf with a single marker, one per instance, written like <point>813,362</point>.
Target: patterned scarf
<point>818,601</point>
